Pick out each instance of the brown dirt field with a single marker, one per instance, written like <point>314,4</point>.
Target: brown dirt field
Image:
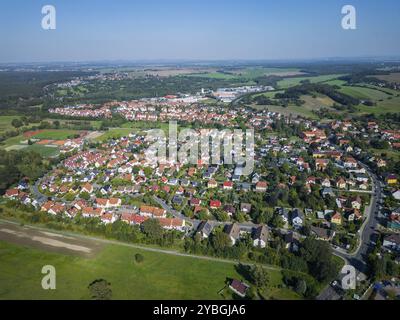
<point>29,134</point>
<point>48,241</point>
<point>44,142</point>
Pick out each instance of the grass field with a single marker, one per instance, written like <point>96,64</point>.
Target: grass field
<point>114,133</point>
<point>306,110</point>
<point>289,82</point>
<point>56,134</point>
<point>159,276</point>
<point>364,93</point>
<point>249,73</point>
<point>290,110</point>
<point>43,150</point>
<point>5,122</point>
<point>261,71</point>
<point>214,75</point>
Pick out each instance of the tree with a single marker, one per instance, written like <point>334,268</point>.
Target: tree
<point>259,276</point>
<point>16,123</point>
<point>139,258</point>
<point>318,255</point>
<point>100,290</point>
<point>152,229</point>
<point>220,240</point>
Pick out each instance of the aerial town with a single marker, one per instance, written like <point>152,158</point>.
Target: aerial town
<point>163,151</point>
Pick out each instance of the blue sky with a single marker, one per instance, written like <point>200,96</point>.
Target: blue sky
<point>201,30</point>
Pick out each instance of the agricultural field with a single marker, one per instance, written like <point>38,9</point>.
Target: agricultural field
<point>364,93</point>
<point>289,82</point>
<point>214,75</point>
<point>392,77</point>
<point>158,276</point>
<point>249,73</point>
<point>261,71</point>
<point>311,103</point>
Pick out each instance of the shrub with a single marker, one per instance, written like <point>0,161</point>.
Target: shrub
<point>139,258</point>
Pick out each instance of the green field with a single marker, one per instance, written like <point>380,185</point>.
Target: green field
<point>214,75</point>
<point>159,276</point>
<point>312,103</point>
<point>64,123</point>
<point>44,151</point>
<point>5,122</point>
<point>56,134</point>
<point>364,93</point>
<point>13,141</point>
<point>303,111</point>
<point>249,73</point>
<point>289,82</point>
<point>261,71</point>
<point>115,133</point>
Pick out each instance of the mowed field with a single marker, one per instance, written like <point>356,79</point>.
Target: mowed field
<point>290,82</point>
<point>159,276</point>
<point>53,134</point>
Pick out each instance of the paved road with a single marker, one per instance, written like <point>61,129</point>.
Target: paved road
<point>358,258</point>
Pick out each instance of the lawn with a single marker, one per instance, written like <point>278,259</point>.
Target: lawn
<point>114,133</point>
<point>159,276</point>
<point>56,134</point>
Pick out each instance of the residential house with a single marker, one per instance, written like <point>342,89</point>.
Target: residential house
<point>245,207</point>
<point>152,212</point>
<point>260,236</point>
<point>261,186</point>
<point>205,228</point>
<point>322,234</point>
<point>228,185</point>
<point>238,287</point>
<point>215,204</point>
<point>233,231</point>
<point>392,242</point>
<point>297,218</point>
<point>337,218</point>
